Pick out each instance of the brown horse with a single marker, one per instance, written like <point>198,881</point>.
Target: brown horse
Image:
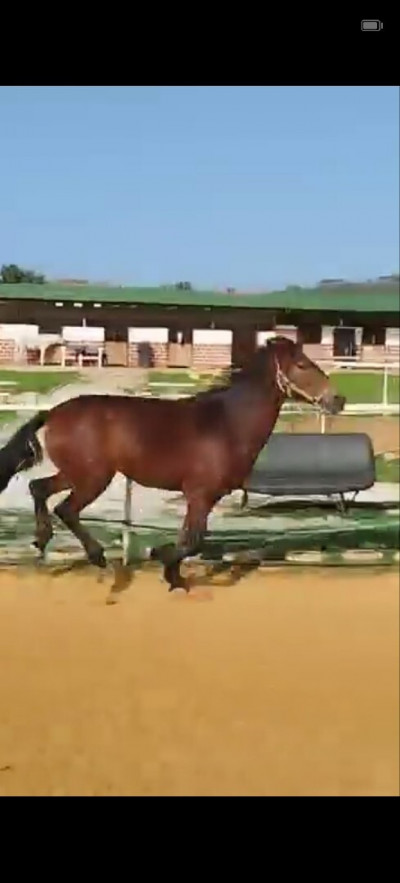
<point>204,446</point>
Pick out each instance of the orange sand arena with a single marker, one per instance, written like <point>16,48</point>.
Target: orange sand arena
<point>285,683</point>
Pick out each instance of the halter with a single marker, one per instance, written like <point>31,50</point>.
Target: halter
<point>288,388</point>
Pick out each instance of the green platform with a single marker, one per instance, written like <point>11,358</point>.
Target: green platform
<point>313,535</point>
<point>273,534</point>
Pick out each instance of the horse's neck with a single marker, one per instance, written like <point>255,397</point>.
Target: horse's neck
<point>255,422</point>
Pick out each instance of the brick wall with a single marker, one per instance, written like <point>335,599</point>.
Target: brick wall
<point>211,355</point>
<point>7,351</point>
<point>289,331</point>
<point>372,353</point>
<point>160,354</point>
<point>33,356</point>
<point>320,352</point>
<point>392,353</point>
<point>317,351</point>
<point>203,355</point>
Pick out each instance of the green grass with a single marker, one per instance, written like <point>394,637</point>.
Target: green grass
<point>359,388</point>
<point>366,388</point>
<point>7,417</point>
<point>387,470</point>
<point>36,381</point>
<point>170,376</point>
<point>182,375</point>
<point>177,380</point>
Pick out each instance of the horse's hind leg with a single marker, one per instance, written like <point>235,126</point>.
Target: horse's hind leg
<point>41,489</point>
<point>68,511</point>
<point>190,540</point>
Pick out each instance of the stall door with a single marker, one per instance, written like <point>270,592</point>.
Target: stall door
<point>116,347</point>
<point>180,348</point>
<point>344,343</point>
<point>244,344</point>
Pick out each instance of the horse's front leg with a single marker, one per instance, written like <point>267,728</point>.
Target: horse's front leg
<point>190,540</point>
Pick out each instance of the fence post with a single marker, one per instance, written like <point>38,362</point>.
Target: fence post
<point>385,385</point>
<point>322,421</point>
<point>127,519</point>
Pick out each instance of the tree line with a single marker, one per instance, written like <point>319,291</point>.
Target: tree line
<point>12,274</point>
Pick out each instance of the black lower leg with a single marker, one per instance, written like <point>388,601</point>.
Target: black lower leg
<point>39,489</point>
<point>70,518</point>
<point>172,557</point>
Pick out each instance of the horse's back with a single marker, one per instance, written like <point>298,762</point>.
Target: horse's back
<point>156,442</point>
<point>143,415</point>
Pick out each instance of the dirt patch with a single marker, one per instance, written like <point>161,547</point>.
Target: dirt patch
<point>287,683</point>
<point>384,431</point>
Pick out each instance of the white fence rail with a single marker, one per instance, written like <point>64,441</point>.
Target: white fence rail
<point>367,409</point>
<point>383,369</point>
<point>387,369</point>
<point>9,402</point>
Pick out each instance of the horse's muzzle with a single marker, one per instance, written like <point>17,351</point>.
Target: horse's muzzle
<point>332,404</point>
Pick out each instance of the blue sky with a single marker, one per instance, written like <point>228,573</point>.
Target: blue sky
<point>250,187</point>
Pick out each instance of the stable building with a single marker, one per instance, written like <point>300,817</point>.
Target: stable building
<point>59,324</point>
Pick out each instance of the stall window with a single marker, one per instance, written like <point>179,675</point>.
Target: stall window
<point>310,334</point>
<point>374,335</point>
<point>183,336</point>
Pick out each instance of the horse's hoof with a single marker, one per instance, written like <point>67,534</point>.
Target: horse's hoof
<point>98,558</point>
<point>178,584</point>
<point>40,549</point>
<point>111,599</point>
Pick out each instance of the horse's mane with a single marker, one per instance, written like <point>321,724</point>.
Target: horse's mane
<point>258,368</point>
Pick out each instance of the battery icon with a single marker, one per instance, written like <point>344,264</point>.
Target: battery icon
<point>371,24</point>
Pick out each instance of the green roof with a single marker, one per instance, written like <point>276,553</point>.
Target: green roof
<point>344,298</point>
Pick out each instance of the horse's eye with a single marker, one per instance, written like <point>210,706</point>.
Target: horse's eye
<point>301,364</point>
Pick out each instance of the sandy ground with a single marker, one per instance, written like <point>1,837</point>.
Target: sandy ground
<point>285,683</point>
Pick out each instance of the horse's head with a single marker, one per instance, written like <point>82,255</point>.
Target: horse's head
<point>300,378</point>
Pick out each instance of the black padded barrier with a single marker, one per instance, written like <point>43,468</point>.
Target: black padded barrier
<point>297,464</point>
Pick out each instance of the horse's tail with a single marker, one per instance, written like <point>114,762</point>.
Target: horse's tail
<point>22,451</point>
